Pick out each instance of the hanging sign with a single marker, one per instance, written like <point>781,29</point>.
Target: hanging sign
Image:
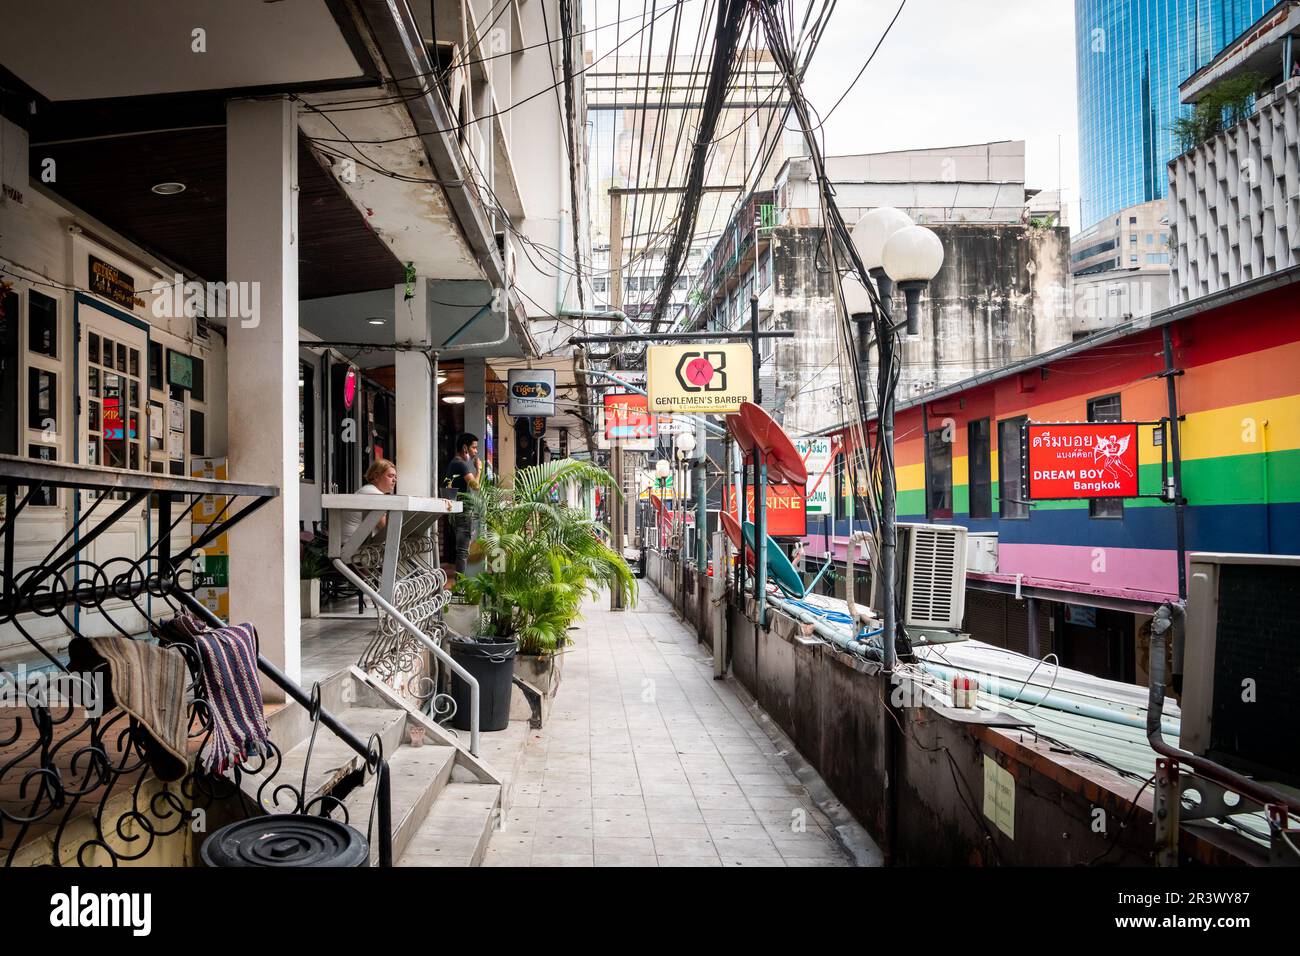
<point>816,455</point>
<point>1081,460</point>
<point>627,416</point>
<point>531,392</point>
<point>786,513</point>
<point>699,378</point>
<point>112,283</point>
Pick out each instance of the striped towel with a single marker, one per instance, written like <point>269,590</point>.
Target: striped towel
<point>239,730</point>
<point>148,682</point>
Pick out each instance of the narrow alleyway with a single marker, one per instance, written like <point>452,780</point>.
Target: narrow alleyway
<point>646,760</point>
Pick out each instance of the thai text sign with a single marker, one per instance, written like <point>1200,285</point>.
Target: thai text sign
<point>627,415</point>
<point>1082,460</point>
<point>816,453</point>
<point>699,378</point>
<point>786,512</point>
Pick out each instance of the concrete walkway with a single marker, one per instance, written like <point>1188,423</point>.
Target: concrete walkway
<point>646,760</point>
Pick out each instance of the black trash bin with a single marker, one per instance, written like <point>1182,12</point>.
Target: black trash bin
<point>492,663</point>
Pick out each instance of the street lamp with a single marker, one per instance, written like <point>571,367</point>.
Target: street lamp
<point>893,249</point>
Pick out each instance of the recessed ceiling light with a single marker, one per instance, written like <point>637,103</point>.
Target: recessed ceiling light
<point>375,321</point>
<point>441,378</point>
<point>454,399</point>
<point>169,189</point>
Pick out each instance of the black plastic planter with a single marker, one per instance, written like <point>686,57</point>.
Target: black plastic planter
<point>492,664</point>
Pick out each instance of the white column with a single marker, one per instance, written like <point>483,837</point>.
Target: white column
<point>262,370</point>
<point>414,393</point>
<point>476,399</point>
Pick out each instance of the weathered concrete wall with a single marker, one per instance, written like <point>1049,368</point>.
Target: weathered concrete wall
<point>996,300</point>
<point>1001,296</point>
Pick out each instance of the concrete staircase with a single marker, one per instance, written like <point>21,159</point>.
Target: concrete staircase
<point>445,802</point>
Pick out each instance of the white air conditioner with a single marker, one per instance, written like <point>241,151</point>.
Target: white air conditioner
<point>982,552</point>
<point>932,576</point>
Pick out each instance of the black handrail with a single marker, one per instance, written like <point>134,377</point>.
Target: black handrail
<point>300,696</point>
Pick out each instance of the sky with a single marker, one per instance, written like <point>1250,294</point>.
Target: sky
<point>950,72</point>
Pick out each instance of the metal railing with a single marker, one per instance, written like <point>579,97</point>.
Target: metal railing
<point>78,778</point>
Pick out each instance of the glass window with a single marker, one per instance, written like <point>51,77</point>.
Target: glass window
<point>42,399</point>
<point>196,387</point>
<point>1132,238</point>
<point>306,422</point>
<point>1105,409</point>
<point>196,433</point>
<point>42,324</point>
<point>979,481</point>
<point>155,364</point>
<point>1011,498</point>
<point>46,496</point>
<point>10,376</point>
<point>938,474</point>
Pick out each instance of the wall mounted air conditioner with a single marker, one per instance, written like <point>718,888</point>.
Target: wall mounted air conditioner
<point>1241,663</point>
<point>931,576</point>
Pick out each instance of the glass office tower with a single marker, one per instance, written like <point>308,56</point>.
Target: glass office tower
<point>1131,55</point>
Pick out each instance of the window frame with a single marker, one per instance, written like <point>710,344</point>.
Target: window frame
<point>1016,509</point>
<point>935,439</point>
<point>986,485</point>
<point>1101,507</point>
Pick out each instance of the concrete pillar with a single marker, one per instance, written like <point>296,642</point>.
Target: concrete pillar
<point>262,370</point>
<point>415,394</point>
<point>476,399</point>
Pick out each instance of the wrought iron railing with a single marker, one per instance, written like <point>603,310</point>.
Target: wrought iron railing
<point>75,782</point>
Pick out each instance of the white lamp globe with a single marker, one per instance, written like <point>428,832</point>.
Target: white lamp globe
<point>873,231</point>
<point>686,443</point>
<point>856,299</point>
<point>662,468</point>
<point>913,254</point>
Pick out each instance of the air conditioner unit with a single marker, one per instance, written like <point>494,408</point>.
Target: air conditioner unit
<point>932,576</point>
<point>982,552</point>
<point>1241,663</point>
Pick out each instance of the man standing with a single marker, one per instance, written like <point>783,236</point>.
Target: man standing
<point>464,473</point>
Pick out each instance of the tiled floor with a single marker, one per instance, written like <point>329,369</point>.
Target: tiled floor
<point>646,760</point>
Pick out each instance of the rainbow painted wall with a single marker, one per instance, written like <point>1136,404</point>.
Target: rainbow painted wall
<point>1240,395</point>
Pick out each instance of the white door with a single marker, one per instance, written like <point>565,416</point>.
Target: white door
<point>111,429</point>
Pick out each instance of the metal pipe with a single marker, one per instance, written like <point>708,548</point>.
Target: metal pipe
<point>1175,448</point>
<point>419,635</point>
<point>1160,625</point>
<point>637,390</point>
<point>683,337</point>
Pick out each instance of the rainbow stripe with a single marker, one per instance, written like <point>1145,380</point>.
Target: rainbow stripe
<point>1240,395</point>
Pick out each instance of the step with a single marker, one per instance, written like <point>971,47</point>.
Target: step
<point>331,758</point>
<point>417,775</point>
<point>458,827</point>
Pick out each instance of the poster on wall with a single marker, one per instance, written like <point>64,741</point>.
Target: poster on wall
<point>1072,460</point>
<point>176,415</point>
<point>531,392</point>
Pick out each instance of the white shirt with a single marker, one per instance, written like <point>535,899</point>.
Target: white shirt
<point>352,519</point>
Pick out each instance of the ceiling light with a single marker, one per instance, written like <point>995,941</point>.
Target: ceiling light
<point>375,321</point>
<point>441,378</point>
<point>169,189</point>
<point>454,399</point>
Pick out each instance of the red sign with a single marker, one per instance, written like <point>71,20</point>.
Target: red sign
<point>786,512</point>
<point>1082,460</point>
<point>628,415</point>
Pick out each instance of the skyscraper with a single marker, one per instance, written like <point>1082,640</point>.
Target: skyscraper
<point>1131,55</point>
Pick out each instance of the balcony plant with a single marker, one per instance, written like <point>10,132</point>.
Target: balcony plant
<point>540,560</point>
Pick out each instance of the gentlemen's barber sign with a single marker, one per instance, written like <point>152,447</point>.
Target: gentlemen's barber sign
<point>699,378</point>
<point>1082,460</point>
<point>531,392</point>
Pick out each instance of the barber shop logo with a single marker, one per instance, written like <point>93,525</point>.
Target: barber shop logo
<point>702,371</point>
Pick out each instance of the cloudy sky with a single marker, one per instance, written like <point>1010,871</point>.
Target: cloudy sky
<point>950,72</point>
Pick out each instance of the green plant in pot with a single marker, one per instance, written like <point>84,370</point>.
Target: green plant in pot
<point>541,559</point>
<point>312,566</point>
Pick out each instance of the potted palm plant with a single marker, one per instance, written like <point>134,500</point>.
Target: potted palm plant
<point>541,559</point>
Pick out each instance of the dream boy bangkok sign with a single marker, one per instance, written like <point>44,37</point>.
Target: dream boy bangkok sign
<point>1081,460</point>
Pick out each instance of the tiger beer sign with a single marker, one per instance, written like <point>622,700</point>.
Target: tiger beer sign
<point>1081,460</point>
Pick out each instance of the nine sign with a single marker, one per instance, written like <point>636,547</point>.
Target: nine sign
<point>786,514</point>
